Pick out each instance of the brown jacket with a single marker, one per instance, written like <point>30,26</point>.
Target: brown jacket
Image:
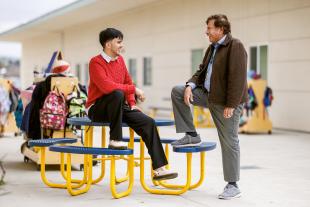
<point>229,73</point>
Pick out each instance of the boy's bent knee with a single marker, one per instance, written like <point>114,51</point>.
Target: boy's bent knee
<point>150,121</point>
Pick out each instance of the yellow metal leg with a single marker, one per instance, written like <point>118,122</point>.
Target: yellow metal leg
<point>193,186</point>
<point>123,179</point>
<point>88,142</point>
<point>167,155</point>
<point>64,173</point>
<point>130,146</point>
<point>87,168</point>
<point>88,164</point>
<point>113,183</point>
<point>43,174</point>
<point>103,140</point>
<point>164,191</point>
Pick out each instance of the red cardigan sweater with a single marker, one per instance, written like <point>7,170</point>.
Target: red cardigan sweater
<point>107,77</point>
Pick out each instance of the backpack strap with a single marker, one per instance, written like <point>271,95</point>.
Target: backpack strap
<point>55,88</point>
<point>75,88</point>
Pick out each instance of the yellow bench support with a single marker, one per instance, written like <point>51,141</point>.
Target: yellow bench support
<point>183,189</point>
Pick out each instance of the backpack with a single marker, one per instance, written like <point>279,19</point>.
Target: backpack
<point>252,102</point>
<point>76,101</point>
<point>18,113</point>
<point>26,119</point>
<point>54,111</point>
<point>14,96</point>
<point>268,97</point>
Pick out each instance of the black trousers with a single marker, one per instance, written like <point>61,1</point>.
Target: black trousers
<point>113,109</point>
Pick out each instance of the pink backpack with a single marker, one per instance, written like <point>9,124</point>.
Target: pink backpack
<point>54,111</point>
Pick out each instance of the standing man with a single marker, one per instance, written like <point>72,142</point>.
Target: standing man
<point>219,84</point>
<point>111,98</point>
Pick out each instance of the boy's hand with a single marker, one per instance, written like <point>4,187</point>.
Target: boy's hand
<point>140,94</point>
<point>134,107</point>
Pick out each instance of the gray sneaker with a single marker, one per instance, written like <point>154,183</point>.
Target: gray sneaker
<point>187,141</point>
<point>230,192</point>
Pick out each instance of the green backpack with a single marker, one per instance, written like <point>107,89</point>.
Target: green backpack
<point>76,101</point>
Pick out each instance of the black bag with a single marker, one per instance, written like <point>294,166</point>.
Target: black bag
<point>14,94</point>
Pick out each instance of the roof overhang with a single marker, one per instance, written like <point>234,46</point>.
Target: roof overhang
<point>70,15</point>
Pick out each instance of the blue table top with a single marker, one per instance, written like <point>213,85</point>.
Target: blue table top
<point>205,146</point>
<point>85,121</point>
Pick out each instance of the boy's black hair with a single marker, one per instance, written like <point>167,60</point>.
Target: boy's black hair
<point>109,34</point>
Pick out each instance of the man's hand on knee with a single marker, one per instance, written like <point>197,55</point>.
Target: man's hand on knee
<point>188,96</point>
<point>228,112</point>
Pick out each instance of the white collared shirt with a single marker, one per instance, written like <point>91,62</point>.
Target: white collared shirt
<point>107,57</point>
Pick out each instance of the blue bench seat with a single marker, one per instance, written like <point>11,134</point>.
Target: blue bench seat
<point>205,146</point>
<point>50,142</point>
<point>162,140</point>
<point>90,150</point>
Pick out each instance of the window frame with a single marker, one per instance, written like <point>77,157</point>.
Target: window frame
<point>258,69</point>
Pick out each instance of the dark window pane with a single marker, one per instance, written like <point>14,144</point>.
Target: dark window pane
<point>147,71</point>
<point>132,63</point>
<point>263,55</point>
<point>196,59</point>
<point>253,58</point>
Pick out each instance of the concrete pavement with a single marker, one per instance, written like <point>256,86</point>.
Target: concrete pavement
<point>275,171</point>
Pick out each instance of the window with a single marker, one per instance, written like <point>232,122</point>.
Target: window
<point>147,71</point>
<point>132,63</point>
<point>259,60</point>
<point>196,59</point>
<point>263,52</point>
<point>253,58</point>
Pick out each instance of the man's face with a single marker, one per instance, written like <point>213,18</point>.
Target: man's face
<point>214,33</point>
<point>115,46</point>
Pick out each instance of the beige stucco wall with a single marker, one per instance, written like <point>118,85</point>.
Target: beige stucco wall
<point>36,53</point>
<point>167,31</point>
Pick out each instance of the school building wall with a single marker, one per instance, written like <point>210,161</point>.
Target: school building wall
<point>168,30</point>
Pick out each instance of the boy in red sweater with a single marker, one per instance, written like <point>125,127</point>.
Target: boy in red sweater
<point>111,98</point>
